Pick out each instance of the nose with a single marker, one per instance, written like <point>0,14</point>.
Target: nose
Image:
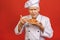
<point>33,11</point>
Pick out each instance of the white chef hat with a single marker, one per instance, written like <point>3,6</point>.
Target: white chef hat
<point>30,3</point>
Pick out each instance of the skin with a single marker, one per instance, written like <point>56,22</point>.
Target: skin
<point>34,12</point>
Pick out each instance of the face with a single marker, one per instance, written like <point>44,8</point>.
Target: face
<point>34,11</point>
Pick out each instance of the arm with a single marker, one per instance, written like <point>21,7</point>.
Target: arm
<point>40,26</point>
<point>19,28</point>
<point>48,32</point>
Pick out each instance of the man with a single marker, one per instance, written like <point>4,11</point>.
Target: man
<point>37,26</point>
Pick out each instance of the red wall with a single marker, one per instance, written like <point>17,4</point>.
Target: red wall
<point>10,11</point>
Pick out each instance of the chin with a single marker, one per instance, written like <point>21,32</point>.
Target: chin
<point>33,16</point>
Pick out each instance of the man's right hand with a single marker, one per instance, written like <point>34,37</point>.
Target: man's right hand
<point>21,23</point>
<point>23,20</point>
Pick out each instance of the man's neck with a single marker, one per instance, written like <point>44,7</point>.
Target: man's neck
<point>35,17</point>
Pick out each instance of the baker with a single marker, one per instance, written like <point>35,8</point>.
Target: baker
<point>37,26</point>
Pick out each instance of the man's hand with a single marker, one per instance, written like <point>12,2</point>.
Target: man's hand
<point>23,20</point>
<point>38,24</point>
<point>21,23</point>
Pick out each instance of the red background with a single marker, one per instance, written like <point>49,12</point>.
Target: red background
<point>10,11</point>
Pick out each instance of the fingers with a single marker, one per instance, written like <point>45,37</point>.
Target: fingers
<point>21,16</point>
<point>22,19</point>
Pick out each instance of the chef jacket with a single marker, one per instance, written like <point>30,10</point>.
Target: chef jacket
<point>32,32</point>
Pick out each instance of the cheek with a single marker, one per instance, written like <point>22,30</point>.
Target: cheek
<point>30,11</point>
<point>35,12</point>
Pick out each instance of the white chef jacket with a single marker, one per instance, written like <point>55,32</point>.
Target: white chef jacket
<point>33,32</point>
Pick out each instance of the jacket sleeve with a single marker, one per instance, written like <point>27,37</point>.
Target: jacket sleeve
<point>16,29</point>
<point>48,32</point>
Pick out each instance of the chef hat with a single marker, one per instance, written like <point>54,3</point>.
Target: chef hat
<point>30,3</point>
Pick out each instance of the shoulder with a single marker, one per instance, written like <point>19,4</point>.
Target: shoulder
<point>45,17</point>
